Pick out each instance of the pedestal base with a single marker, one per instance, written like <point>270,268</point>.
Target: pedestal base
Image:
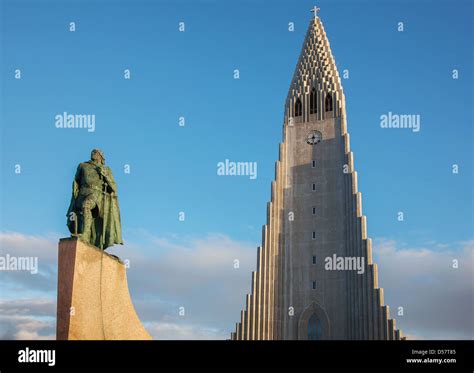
<point>93,298</point>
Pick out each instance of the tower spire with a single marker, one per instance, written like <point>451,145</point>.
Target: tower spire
<point>315,72</point>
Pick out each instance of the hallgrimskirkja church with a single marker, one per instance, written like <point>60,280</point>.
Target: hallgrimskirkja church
<point>315,278</point>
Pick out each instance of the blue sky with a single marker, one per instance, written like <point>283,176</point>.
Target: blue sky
<point>190,74</point>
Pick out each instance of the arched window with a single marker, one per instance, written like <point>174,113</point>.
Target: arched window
<point>298,108</point>
<point>328,102</point>
<point>314,328</point>
<point>312,102</point>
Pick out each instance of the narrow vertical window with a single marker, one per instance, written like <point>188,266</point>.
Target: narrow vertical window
<point>314,235</point>
<point>314,187</point>
<point>314,285</point>
<point>314,259</point>
<point>312,102</point>
<point>314,210</point>
<point>298,108</point>
<point>313,164</point>
<point>328,102</point>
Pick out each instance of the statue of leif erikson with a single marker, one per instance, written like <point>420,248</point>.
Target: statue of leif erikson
<point>94,214</point>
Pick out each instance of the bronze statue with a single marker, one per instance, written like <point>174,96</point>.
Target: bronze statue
<point>94,214</point>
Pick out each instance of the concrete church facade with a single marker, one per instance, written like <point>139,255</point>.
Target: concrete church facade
<point>309,283</point>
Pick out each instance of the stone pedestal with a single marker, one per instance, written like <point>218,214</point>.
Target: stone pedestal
<point>93,298</point>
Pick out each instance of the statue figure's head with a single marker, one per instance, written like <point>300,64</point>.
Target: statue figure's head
<point>98,156</point>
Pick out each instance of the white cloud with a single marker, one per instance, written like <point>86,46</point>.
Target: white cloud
<point>30,328</point>
<point>27,319</point>
<point>31,307</point>
<point>175,330</point>
<point>44,248</point>
<point>198,274</point>
<point>20,244</point>
<point>437,299</point>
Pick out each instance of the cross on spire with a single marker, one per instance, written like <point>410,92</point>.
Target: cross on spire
<point>315,10</point>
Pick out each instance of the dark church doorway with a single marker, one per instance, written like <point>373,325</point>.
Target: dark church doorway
<point>314,328</point>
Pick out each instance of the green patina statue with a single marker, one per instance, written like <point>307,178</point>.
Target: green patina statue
<point>94,214</point>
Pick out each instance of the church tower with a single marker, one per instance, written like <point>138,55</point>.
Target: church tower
<point>315,278</point>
